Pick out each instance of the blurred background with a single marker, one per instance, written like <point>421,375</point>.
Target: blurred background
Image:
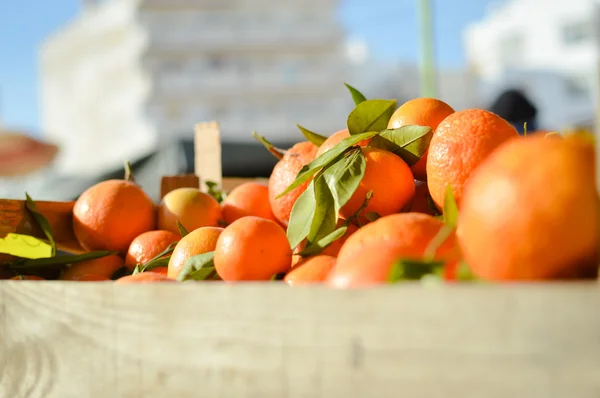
<point>87,84</point>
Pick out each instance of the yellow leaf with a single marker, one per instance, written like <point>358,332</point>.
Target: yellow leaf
<point>25,246</point>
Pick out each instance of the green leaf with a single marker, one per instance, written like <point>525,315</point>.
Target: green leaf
<point>317,247</point>
<point>214,191</point>
<point>326,159</point>
<point>312,137</point>
<point>357,96</point>
<point>197,267</point>
<point>437,241</point>
<point>408,269</point>
<point>302,215</point>
<point>128,172</point>
<point>372,216</point>
<point>408,142</point>
<point>278,277</point>
<point>157,261</point>
<point>42,222</point>
<point>450,208</point>
<point>326,212</point>
<point>344,176</point>
<point>182,231</point>
<point>277,152</point>
<point>25,246</point>
<point>59,260</point>
<point>371,115</point>
<point>464,272</point>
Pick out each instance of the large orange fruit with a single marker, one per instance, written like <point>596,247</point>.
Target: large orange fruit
<point>252,248</point>
<point>460,143</point>
<point>191,207</point>
<point>199,241</point>
<point>248,199</point>
<point>391,181</point>
<point>310,270</point>
<point>335,139</point>
<point>284,174</point>
<point>371,264</point>
<point>110,214</point>
<point>103,266</point>
<point>531,211</point>
<point>413,231</point>
<point>149,245</point>
<point>420,112</point>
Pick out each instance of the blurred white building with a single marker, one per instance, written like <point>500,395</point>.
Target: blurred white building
<point>126,75</point>
<point>548,48</point>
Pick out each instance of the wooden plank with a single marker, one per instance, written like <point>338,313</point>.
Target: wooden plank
<point>231,182</point>
<point>61,339</point>
<point>14,218</point>
<point>170,183</point>
<point>207,153</point>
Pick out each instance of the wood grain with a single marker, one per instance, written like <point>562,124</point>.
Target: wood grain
<point>207,153</point>
<point>14,218</point>
<point>61,339</point>
<point>170,183</point>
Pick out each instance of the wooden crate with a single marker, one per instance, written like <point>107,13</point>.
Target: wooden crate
<point>267,340</point>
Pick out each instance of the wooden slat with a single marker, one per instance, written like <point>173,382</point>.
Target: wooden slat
<point>231,182</point>
<point>14,218</point>
<point>170,183</point>
<point>207,153</point>
<point>62,339</point>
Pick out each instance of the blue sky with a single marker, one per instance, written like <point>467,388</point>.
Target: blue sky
<point>389,26</point>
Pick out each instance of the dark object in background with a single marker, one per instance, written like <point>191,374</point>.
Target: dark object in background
<point>517,109</point>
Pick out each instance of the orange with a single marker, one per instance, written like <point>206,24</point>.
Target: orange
<point>191,207</point>
<point>147,246</point>
<point>110,214</point>
<point>460,143</point>
<point>370,265</point>
<point>248,199</point>
<point>332,250</point>
<point>413,231</point>
<point>103,266</point>
<point>27,278</point>
<point>252,248</point>
<point>144,277</point>
<point>420,112</point>
<point>159,270</point>
<point>199,241</point>
<point>391,181</point>
<point>420,203</point>
<point>284,174</point>
<point>531,211</point>
<point>90,278</point>
<point>311,270</point>
<point>335,139</point>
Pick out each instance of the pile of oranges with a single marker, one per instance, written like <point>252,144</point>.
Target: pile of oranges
<point>402,193</point>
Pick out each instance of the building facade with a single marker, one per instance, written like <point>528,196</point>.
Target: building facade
<point>129,75</point>
<point>546,48</point>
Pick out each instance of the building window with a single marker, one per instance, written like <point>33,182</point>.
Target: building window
<point>577,32</point>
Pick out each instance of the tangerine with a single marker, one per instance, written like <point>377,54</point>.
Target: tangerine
<point>460,143</point>
<point>310,270</point>
<point>103,266</point>
<point>199,241</point>
<point>248,199</point>
<point>191,207</point>
<point>147,246</point>
<point>335,139</point>
<point>531,211</point>
<point>284,174</point>
<point>110,214</point>
<point>252,248</point>
<point>420,112</point>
